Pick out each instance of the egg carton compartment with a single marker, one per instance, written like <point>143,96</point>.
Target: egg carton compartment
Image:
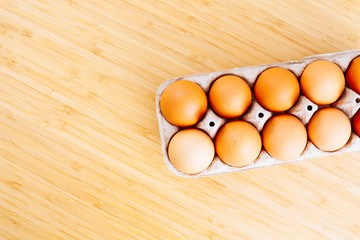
<point>349,103</point>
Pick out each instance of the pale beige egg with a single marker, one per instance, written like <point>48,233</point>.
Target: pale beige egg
<point>191,151</point>
<point>322,82</point>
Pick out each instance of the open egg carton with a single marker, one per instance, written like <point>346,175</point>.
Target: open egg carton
<point>257,115</point>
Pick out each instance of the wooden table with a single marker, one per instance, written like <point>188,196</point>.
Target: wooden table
<point>80,154</point>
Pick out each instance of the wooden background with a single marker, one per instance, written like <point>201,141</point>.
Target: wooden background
<point>80,154</point>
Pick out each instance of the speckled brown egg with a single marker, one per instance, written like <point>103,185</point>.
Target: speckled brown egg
<point>277,89</point>
<point>353,75</point>
<point>238,143</point>
<point>230,96</point>
<point>284,137</point>
<point>329,129</point>
<point>183,103</point>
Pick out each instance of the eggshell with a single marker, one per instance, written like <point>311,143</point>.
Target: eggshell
<point>356,123</point>
<point>353,75</point>
<point>329,129</point>
<point>277,89</point>
<point>183,103</point>
<point>284,137</point>
<point>191,151</point>
<point>322,82</point>
<point>230,96</point>
<point>238,143</point>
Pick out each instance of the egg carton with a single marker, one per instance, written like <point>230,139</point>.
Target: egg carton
<point>349,103</point>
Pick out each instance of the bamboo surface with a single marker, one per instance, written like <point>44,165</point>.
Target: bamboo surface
<point>80,154</point>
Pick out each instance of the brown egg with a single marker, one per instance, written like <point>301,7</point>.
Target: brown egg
<point>183,103</point>
<point>284,137</point>
<point>353,75</point>
<point>277,89</point>
<point>322,82</point>
<point>329,129</point>
<point>356,123</point>
<point>230,96</point>
<point>191,151</point>
<point>238,143</point>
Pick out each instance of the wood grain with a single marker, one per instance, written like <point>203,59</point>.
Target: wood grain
<point>80,153</point>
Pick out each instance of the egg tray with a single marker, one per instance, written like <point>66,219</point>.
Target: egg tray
<point>257,115</point>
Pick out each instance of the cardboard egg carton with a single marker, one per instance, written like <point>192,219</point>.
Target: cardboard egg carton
<point>257,115</point>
